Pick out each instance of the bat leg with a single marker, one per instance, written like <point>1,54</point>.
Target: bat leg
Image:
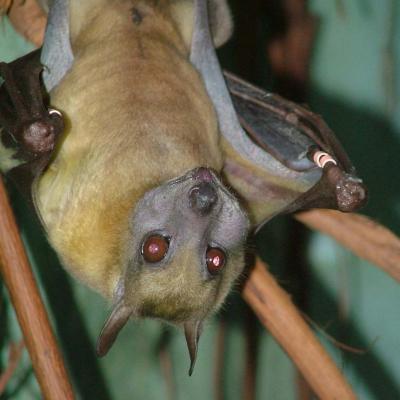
<point>336,189</point>
<point>301,141</point>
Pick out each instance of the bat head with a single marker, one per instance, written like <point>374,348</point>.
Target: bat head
<point>186,250</point>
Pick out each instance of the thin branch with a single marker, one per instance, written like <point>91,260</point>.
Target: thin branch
<point>363,236</point>
<point>290,47</point>
<point>219,360</point>
<point>15,353</point>
<point>336,343</point>
<point>20,282</point>
<point>251,360</point>
<point>28,18</point>
<point>277,313</point>
<point>166,365</point>
<point>5,6</point>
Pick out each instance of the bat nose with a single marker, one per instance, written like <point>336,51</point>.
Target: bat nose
<point>202,198</point>
<point>203,174</point>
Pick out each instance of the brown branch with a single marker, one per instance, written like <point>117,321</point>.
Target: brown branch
<point>363,236</point>
<point>5,6</point>
<point>277,313</point>
<point>14,356</point>
<point>28,18</point>
<point>219,360</point>
<point>28,305</point>
<point>251,360</point>
<point>289,49</point>
<point>166,365</point>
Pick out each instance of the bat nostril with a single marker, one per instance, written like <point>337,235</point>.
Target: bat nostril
<point>203,174</point>
<point>203,197</point>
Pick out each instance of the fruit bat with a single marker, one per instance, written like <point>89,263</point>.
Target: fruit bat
<point>147,165</point>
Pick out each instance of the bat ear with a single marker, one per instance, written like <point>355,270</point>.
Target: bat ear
<point>116,321</point>
<point>192,335</point>
<point>57,56</point>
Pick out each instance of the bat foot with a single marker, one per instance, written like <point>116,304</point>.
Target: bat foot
<point>38,137</point>
<point>351,193</point>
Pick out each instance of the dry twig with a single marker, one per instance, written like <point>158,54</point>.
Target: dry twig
<point>14,356</point>
<point>363,236</point>
<point>20,282</point>
<point>27,17</point>
<point>5,6</point>
<point>277,313</point>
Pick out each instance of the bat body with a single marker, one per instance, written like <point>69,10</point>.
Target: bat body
<point>136,167</point>
<point>129,190</point>
<point>132,98</point>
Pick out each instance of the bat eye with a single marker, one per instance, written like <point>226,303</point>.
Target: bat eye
<point>155,248</point>
<point>215,259</point>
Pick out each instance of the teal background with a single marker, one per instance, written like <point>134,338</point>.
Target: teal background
<point>355,86</point>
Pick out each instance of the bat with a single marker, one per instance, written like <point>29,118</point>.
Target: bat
<point>147,165</point>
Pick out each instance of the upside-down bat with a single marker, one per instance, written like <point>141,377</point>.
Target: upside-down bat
<point>125,131</point>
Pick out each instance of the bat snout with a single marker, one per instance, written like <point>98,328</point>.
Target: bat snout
<point>203,197</point>
<point>203,174</point>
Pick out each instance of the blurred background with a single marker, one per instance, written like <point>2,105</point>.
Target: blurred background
<point>341,57</point>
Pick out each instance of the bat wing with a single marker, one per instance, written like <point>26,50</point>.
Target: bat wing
<point>29,127</point>
<point>279,156</point>
<point>300,141</point>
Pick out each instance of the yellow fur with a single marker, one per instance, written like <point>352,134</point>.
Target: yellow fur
<point>138,114</point>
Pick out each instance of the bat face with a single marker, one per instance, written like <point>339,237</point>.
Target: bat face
<point>186,248</point>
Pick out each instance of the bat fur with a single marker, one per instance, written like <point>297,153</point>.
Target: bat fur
<point>137,116</point>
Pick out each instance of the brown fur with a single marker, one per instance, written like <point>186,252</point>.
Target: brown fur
<point>138,115</point>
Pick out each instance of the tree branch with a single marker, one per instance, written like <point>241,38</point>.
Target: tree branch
<point>20,282</point>
<point>14,356</point>
<point>27,17</point>
<point>278,314</point>
<point>363,236</point>
<point>4,6</point>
